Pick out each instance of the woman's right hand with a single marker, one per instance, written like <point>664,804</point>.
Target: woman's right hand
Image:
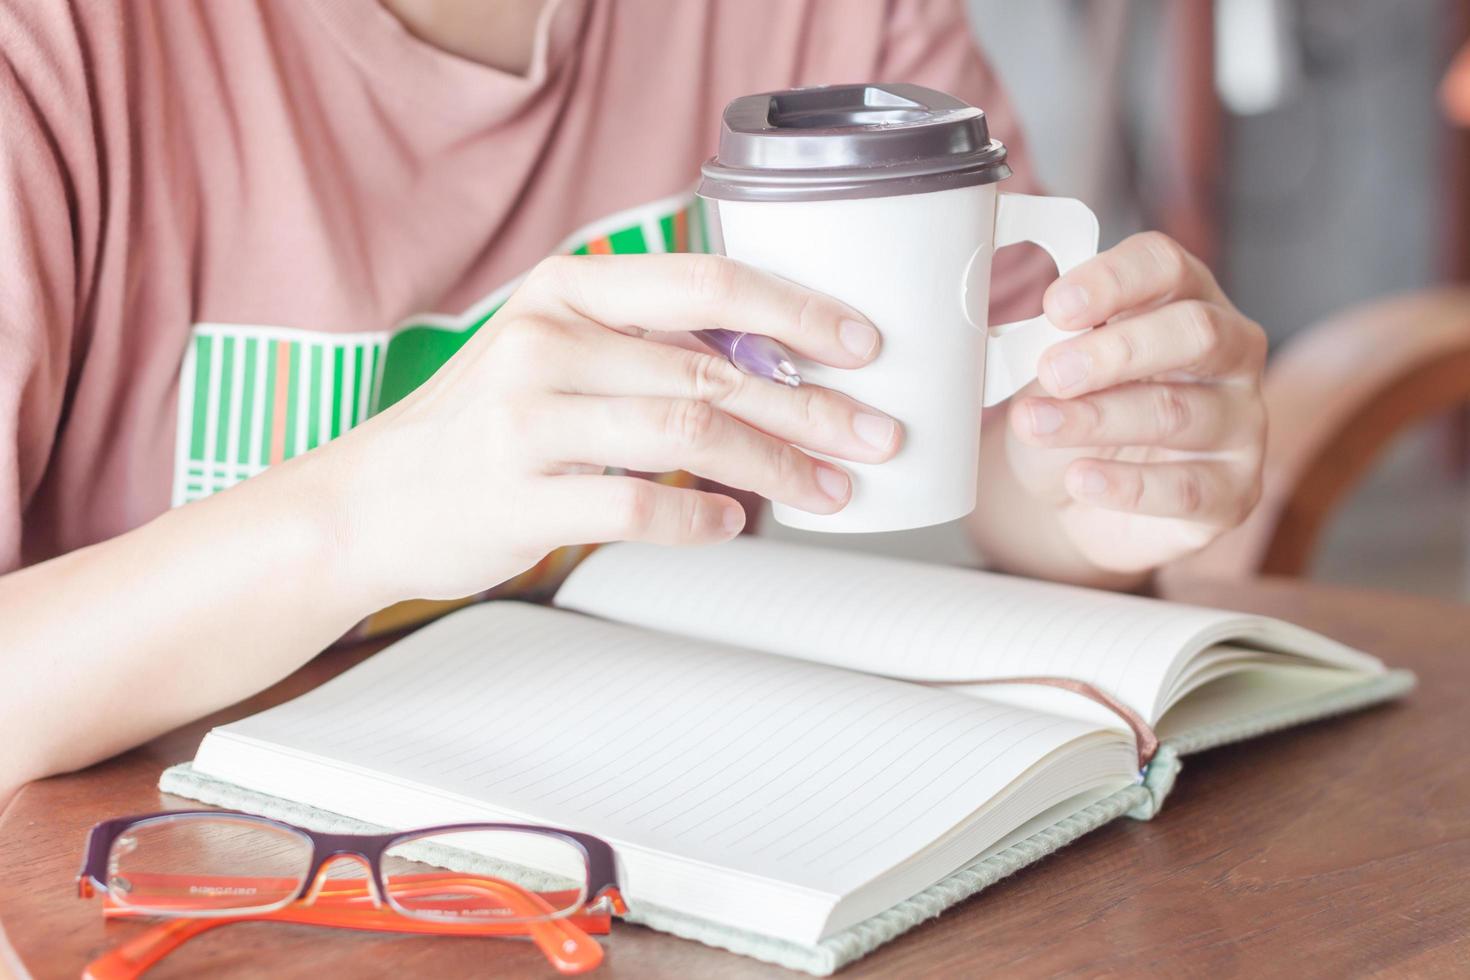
<point>500,457</point>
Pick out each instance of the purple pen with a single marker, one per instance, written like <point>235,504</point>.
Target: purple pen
<point>753,354</point>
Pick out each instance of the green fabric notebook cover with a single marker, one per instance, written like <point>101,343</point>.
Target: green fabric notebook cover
<point>1142,802</point>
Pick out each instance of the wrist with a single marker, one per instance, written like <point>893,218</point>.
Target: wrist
<point>316,506</point>
<point>1049,555</point>
<point>1021,529</point>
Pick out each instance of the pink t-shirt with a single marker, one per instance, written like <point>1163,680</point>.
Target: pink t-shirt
<point>232,230</point>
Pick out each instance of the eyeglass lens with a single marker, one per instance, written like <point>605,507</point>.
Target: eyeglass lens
<point>222,864</point>
<point>500,875</point>
<point>205,865</point>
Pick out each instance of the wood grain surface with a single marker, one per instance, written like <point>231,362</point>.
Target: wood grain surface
<point>1337,849</point>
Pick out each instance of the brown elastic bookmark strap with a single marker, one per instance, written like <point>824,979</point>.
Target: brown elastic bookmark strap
<point>1148,742</point>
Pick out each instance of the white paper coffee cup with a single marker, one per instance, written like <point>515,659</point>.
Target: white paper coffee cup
<point>885,197</point>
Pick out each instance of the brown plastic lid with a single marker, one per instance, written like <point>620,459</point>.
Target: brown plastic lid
<point>843,141</point>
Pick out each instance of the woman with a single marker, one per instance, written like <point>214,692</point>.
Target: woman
<point>225,223</point>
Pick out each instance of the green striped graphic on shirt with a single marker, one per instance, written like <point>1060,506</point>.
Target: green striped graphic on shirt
<point>252,396</point>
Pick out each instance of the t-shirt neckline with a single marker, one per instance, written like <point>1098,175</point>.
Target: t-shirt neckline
<point>431,79</point>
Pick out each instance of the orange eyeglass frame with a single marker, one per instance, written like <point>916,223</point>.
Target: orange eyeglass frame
<point>353,903</point>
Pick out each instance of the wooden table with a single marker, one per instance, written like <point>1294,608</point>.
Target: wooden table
<point>1338,849</point>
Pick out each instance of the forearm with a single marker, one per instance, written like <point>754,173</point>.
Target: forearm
<point>1020,530</point>
<point>113,644</point>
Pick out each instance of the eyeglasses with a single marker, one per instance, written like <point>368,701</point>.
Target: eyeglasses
<point>204,868</point>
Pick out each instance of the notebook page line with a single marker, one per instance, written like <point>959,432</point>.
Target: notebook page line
<point>525,723</point>
<point>728,780</point>
<point>591,722</point>
<point>370,702</point>
<point>788,663</point>
<point>801,803</point>
<point>845,707</point>
<point>458,659</point>
<point>428,739</point>
<point>1041,726</point>
<point>904,613</point>
<point>842,807</point>
<point>369,706</point>
<point>580,792</point>
<point>839,819</point>
<point>981,726</point>
<point>418,737</point>
<point>1179,627</point>
<point>862,585</point>
<point>851,709</point>
<point>757,811</point>
<point>766,794</point>
<point>457,656</point>
<point>747,686</point>
<point>453,717</point>
<point>580,780</point>
<point>608,687</point>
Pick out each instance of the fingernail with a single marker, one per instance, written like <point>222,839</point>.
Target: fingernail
<point>1092,483</point>
<point>834,482</point>
<point>859,339</point>
<point>1046,418</point>
<point>876,430</point>
<point>1068,300</point>
<point>1069,369</point>
<point>733,520</point>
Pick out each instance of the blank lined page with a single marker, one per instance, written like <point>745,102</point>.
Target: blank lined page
<point>772,766</point>
<point>896,618</point>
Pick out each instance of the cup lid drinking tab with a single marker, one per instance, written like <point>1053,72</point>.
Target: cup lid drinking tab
<point>832,142</point>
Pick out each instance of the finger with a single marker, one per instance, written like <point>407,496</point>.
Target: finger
<point>596,509</point>
<point>633,293</point>
<point>816,418</point>
<point>1205,491</point>
<point>656,435</point>
<point>1203,340</point>
<point>1141,271</point>
<point>1175,416</point>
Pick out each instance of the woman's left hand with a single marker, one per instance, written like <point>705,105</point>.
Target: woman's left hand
<point>1151,429</point>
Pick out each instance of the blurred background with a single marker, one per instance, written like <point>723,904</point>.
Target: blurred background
<point>1308,151</point>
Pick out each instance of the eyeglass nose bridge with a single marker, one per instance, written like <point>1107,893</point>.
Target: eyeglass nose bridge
<point>324,864</point>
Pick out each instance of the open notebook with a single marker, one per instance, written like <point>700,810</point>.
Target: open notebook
<point>796,753</point>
